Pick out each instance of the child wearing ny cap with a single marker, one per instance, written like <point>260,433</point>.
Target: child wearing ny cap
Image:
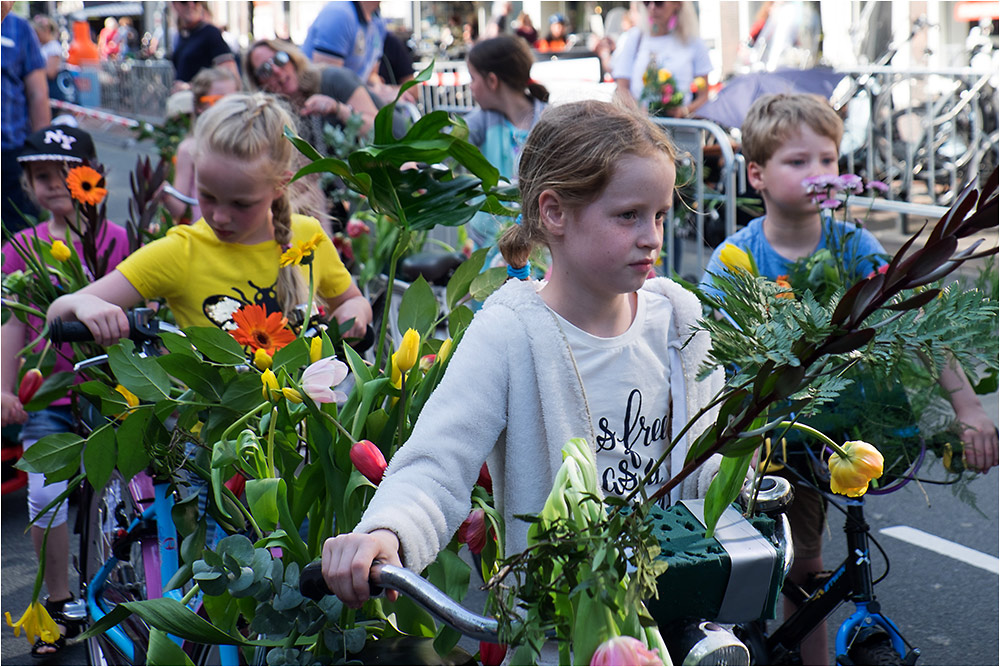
<point>46,158</point>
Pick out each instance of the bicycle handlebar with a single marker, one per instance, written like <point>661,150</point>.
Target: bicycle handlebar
<point>432,599</point>
<point>143,328</point>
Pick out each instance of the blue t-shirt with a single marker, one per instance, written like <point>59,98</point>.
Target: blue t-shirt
<point>340,31</point>
<point>20,55</point>
<point>861,245</point>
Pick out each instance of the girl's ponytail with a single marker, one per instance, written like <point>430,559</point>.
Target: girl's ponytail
<point>538,91</point>
<point>517,242</point>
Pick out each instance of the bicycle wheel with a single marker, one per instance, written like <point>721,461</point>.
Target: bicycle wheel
<point>109,514</point>
<point>877,651</point>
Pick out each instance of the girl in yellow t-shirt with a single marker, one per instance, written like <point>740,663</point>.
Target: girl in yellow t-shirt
<point>231,256</point>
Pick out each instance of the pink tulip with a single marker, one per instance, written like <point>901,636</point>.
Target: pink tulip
<point>492,654</point>
<point>473,531</point>
<point>624,651</point>
<point>356,228</point>
<point>369,461</point>
<point>485,479</point>
<point>318,380</point>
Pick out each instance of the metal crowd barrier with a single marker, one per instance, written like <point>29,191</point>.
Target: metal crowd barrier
<point>925,133</point>
<point>690,137</point>
<point>450,88</point>
<point>137,88</point>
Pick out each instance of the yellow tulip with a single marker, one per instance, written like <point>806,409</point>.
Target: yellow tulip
<point>395,375</point>
<point>35,622</point>
<point>60,251</point>
<point>291,395</point>
<point>663,75</point>
<point>315,349</point>
<point>262,360</point>
<point>850,474</point>
<point>270,384</point>
<point>444,351</point>
<point>734,259</point>
<point>406,355</point>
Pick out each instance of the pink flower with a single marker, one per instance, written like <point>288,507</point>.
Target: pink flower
<point>319,379</point>
<point>356,228</point>
<point>830,204</point>
<point>344,249</point>
<point>492,654</point>
<point>878,186</point>
<point>850,183</point>
<point>881,269</point>
<point>369,461</point>
<point>473,531</point>
<point>820,183</point>
<point>624,651</point>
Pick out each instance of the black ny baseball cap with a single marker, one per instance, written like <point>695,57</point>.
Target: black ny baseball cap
<point>58,143</point>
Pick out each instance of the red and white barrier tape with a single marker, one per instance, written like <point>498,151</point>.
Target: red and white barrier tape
<point>94,113</point>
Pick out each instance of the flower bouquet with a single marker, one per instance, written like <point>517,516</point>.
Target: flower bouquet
<point>660,92</point>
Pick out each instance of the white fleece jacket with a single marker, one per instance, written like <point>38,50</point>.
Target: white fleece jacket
<point>511,396</point>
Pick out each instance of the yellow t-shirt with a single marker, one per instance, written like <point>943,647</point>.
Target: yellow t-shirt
<point>205,280</point>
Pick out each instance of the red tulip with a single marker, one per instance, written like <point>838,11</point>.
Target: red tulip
<point>368,459</point>
<point>485,480</point>
<point>492,654</point>
<point>473,531</point>
<point>30,383</point>
<point>356,228</point>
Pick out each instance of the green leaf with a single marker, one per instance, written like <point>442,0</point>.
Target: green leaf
<point>216,345</point>
<point>487,282</point>
<point>177,344</point>
<point>164,651</point>
<point>292,356</point>
<point>205,380</point>
<point>132,455</point>
<point>262,497</point>
<point>459,284</point>
<point>99,456</point>
<point>724,488</point>
<point>53,387</point>
<point>53,453</point>
<point>418,308</point>
<point>450,573</point>
<point>169,615</point>
<point>140,375</point>
<point>459,320</point>
<point>244,393</point>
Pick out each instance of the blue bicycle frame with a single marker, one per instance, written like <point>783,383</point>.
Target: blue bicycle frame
<point>160,561</point>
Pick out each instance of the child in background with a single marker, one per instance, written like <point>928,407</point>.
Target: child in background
<point>230,257</point>
<point>787,139</point>
<point>208,87</point>
<point>45,159</point>
<point>596,352</point>
<point>510,104</point>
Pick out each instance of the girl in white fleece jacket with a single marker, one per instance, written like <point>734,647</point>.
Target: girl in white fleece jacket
<point>598,352</point>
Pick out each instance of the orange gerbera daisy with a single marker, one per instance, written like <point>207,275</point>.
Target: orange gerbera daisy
<point>782,281</point>
<point>260,330</point>
<point>86,185</point>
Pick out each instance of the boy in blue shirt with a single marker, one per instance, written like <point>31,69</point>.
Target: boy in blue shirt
<point>787,139</point>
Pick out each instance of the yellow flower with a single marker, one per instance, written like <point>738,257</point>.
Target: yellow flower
<point>292,256</point>
<point>35,622</point>
<point>395,375</point>
<point>60,251</point>
<point>406,356</point>
<point>262,360</point>
<point>311,244</point>
<point>663,75</point>
<point>86,185</point>
<point>444,351</point>
<point>291,394</point>
<point>850,475</point>
<point>315,349</point>
<point>270,384</point>
<point>734,258</point>
<point>700,83</point>
<point>130,399</point>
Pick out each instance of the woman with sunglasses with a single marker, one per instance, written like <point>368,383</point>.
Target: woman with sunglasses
<point>667,33</point>
<point>329,93</point>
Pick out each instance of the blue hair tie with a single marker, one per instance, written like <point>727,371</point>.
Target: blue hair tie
<point>519,219</point>
<point>522,273</point>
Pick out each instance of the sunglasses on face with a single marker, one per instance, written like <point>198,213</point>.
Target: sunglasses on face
<point>266,69</point>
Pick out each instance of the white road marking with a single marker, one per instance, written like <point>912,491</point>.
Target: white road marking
<point>944,547</point>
